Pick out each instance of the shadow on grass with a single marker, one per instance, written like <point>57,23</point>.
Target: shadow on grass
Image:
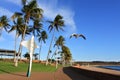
<point>4,71</point>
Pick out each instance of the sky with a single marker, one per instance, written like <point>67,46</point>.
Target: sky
<point>98,20</point>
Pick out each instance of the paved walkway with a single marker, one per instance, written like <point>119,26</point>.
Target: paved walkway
<point>61,74</point>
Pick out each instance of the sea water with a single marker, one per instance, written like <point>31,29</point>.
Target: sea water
<point>111,67</point>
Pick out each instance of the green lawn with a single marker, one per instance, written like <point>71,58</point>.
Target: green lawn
<point>8,67</point>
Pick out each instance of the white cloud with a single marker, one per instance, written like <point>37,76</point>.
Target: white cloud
<point>4,11</point>
<point>17,2</point>
<point>69,18</point>
<point>51,10</point>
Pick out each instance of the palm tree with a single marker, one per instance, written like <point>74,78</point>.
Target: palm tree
<point>59,43</point>
<point>4,23</point>
<point>55,25</point>
<point>31,11</point>
<point>19,28</point>
<point>66,54</point>
<point>42,37</point>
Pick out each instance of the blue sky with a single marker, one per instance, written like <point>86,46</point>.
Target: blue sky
<point>98,20</point>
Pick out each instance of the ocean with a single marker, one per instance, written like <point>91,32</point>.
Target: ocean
<point>111,67</point>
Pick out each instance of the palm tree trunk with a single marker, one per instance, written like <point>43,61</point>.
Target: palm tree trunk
<point>1,30</point>
<point>40,49</point>
<point>53,54</point>
<point>21,54</point>
<point>50,47</point>
<point>15,46</point>
<point>16,61</point>
<point>63,59</point>
<point>20,47</point>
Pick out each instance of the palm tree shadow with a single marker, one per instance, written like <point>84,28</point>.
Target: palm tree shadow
<point>75,75</point>
<point>4,71</point>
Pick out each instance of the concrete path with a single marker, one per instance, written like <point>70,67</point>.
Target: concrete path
<point>65,73</point>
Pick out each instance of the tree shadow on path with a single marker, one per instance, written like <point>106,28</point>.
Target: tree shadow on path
<point>74,75</point>
<point>4,71</point>
<point>84,74</point>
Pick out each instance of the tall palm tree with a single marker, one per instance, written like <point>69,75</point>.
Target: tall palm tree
<point>42,37</point>
<point>19,28</point>
<point>55,25</point>
<point>67,54</point>
<point>31,11</point>
<point>59,43</point>
<point>16,27</point>
<point>4,23</point>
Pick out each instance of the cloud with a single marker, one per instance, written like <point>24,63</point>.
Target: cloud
<point>16,2</point>
<point>51,10</point>
<point>69,18</point>
<point>4,11</point>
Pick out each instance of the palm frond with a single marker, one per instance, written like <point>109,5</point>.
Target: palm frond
<point>50,28</point>
<point>15,15</point>
<point>61,28</point>
<point>12,29</point>
<point>51,22</point>
<point>4,23</point>
<point>32,4</point>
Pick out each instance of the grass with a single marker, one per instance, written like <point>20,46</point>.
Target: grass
<point>8,67</point>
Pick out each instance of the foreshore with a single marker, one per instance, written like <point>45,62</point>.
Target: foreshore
<point>97,73</point>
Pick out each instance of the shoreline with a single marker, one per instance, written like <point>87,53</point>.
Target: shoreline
<point>97,73</point>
